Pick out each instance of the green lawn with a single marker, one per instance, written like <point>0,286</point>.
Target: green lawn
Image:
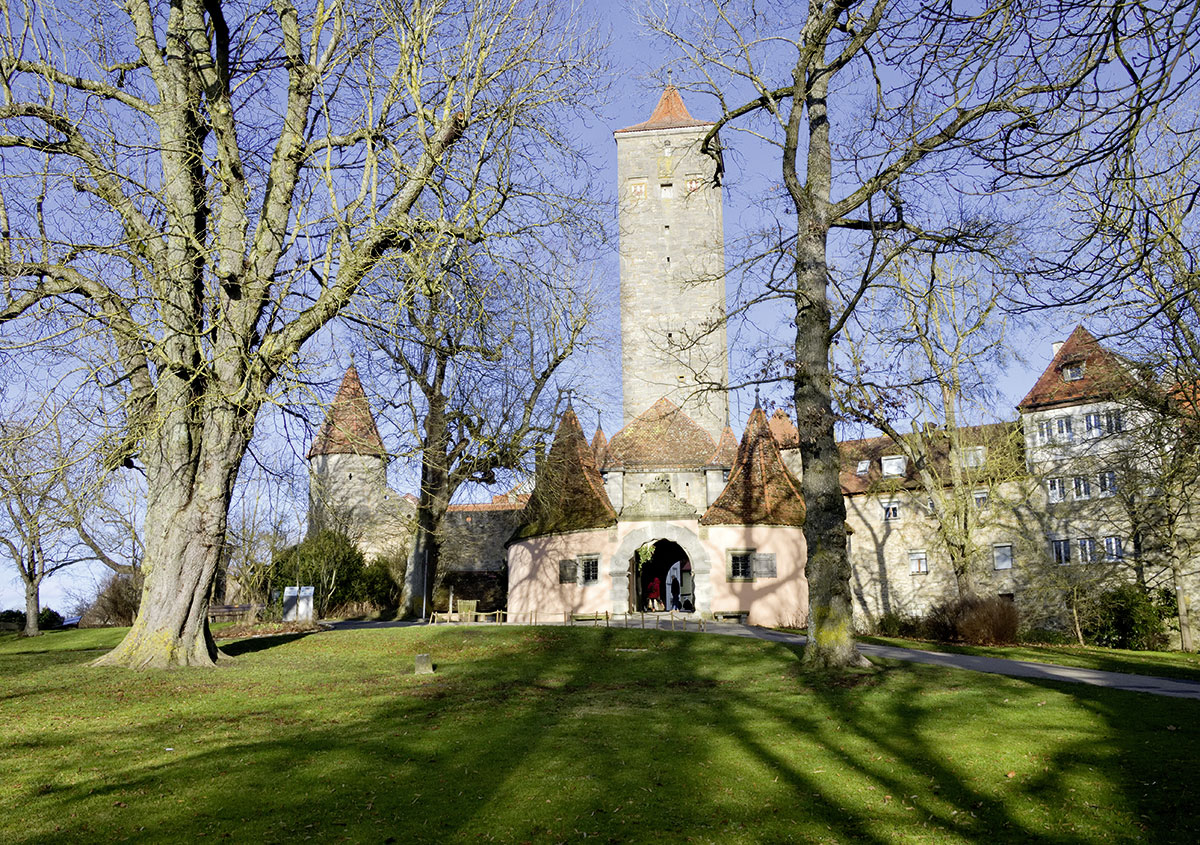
<point>1162,664</point>
<point>551,734</point>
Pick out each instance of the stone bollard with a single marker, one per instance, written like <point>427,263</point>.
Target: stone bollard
<point>424,665</point>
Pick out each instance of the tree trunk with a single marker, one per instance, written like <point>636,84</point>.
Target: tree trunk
<point>1182,608</point>
<point>1075,619</point>
<point>32,609</point>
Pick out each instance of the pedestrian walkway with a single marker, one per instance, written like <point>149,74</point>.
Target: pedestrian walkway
<point>969,662</point>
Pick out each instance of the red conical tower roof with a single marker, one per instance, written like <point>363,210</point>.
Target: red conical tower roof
<point>761,490</point>
<point>349,427</point>
<point>599,446</point>
<point>727,449</point>
<point>670,113</point>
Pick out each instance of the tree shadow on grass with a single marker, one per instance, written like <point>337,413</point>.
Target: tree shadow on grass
<point>249,645</point>
<point>549,734</point>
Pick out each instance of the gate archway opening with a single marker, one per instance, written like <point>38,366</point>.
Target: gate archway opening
<point>662,578</point>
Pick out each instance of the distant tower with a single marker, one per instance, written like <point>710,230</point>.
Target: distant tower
<point>347,464</point>
<point>672,267</point>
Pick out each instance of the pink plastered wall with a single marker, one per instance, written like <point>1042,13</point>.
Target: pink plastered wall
<point>772,602</point>
<point>533,576</point>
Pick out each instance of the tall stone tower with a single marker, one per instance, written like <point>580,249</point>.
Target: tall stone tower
<point>672,268</point>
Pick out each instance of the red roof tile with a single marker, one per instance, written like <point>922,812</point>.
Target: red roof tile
<point>1104,375</point>
<point>349,427</point>
<point>670,113</point>
<point>599,446</point>
<point>569,493</point>
<point>661,437</point>
<point>761,490</point>
<point>785,431</point>
<point>727,448</point>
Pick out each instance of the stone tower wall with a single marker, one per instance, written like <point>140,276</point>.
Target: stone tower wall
<point>672,276</point>
<point>349,493</point>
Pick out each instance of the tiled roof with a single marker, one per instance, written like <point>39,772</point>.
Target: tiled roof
<point>599,446</point>
<point>1003,442</point>
<point>486,506</point>
<point>569,493</point>
<point>1104,375</point>
<point>670,113</point>
<point>761,490</point>
<point>349,427</point>
<point>785,431</point>
<point>727,448</point>
<point>661,437</point>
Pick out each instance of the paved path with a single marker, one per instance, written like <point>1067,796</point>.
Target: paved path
<point>973,663</point>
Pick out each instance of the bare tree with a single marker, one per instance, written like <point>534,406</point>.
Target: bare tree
<point>879,110</point>
<point>477,358</point>
<point>234,172</point>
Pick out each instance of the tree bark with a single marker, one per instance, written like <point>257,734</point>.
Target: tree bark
<point>32,609</point>
<point>1181,603</point>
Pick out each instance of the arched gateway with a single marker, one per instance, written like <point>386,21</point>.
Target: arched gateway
<point>622,566</point>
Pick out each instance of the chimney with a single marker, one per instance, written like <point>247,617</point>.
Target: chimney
<point>1055,346</point>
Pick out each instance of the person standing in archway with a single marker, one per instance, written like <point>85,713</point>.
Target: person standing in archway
<point>673,585</point>
<point>654,593</point>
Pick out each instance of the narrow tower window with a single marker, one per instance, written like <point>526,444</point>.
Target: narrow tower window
<point>668,190</point>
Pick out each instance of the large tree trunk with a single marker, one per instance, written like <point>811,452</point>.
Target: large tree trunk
<point>1182,608</point>
<point>32,609</point>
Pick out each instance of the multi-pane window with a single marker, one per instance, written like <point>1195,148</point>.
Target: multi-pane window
<point>1061,551</point>
<point>1072,372</point>
<point>1083,487</point>
<point>894,465</point>
<point>1113,548</point>
<point>980,497</point>
<point>891,510</point>
<point>1087,549</point>
<point>1055,489</point>
<point>974,456</point>
<point>1114,421</point>
<point>918,562</point>
<point>637,190</point>
<point>1094,423</point>
<point>591,569</point>
<point>1108,483</point>
<point>1045,432</point>
<point>1062,430</point>
<point>741,565</point>
<point>1002,557</point>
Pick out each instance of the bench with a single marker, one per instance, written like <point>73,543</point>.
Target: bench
<point>228,612</point>
<point>594,618</point>
<point>741,617</point>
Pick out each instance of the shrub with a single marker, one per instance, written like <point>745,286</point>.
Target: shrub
<point>974,620</point>
<point>49,618</point>
<point>116,603</point>
<point>897,624</point>
<point>1126,617</point>
<point>490,589</point>
<point>1045,636</point>
<point>327,561</point>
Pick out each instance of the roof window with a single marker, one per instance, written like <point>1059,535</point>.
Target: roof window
<point>863,468</point>
<point>1072,372</point>
<point>894,465</point>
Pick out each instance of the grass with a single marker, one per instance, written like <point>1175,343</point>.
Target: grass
<point>1161,664</point>
<point>554,734</point>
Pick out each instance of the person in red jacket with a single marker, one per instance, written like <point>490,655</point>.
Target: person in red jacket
<point>653,593</point>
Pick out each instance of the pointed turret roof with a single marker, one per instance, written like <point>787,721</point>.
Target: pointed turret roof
<point>727,448</point>
<point>785,431</point>
<point>761,490</point>
<point>661,437</point>
<point>599,446</point>
<point>569,493</point>
<point>670,113</point>
<point>349,427</point>
<point>1081,371</point>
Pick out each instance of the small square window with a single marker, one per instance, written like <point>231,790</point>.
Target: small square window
<point>637,190</point>
<point>980,498</point>
<point>667,190</point>
<point>591,569</point>
<point>1002,557</point>
<point>891,510</point>
<point>894,465</point>
<point>918,562</point>
<point>741,565</point>
<point>1072,372</point>
<point>694,184</point>
<point>1061,551</point>
<point>863,468</point>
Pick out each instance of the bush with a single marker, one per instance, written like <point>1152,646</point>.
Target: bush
<point>490,589</point>
<point>116,603</point>
<point>1127,617</point>
<point>974,620</point>
<point>48,619</point>
<point>1045,636</point>
<point>897,624</point>
<point>327,561</point>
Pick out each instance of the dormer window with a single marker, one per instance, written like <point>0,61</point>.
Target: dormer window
<point>863,468</point>
<point>894,465</point>
<point>974,456</point>
<point>1072,372</point>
